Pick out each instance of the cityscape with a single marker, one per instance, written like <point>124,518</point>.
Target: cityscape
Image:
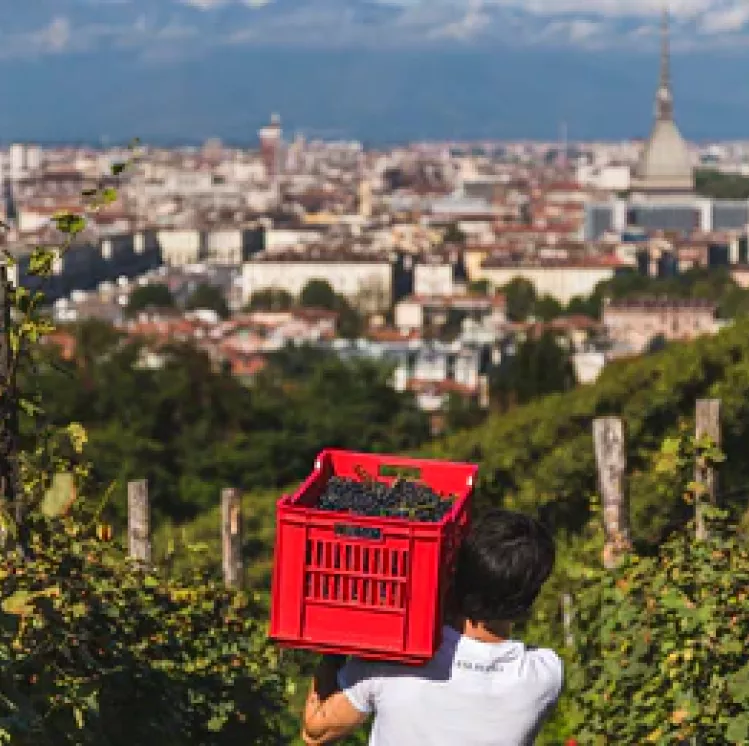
<point>421,243</point>
<point>252,393</point>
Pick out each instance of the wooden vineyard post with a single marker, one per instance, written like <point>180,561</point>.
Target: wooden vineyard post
<point>231,537</point>
<point>608,436</point>
<point>138,521</point>
<point>707,425</point>
<point>567,617</point>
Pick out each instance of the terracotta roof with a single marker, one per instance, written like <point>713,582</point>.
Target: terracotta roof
<point>387,334</point>
<point>440,387</point>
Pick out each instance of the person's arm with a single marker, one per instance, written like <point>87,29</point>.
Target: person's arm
<point>328,712</point>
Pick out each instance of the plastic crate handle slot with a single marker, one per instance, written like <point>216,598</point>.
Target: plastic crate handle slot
<point>358,532</point>
<point>402,472</point>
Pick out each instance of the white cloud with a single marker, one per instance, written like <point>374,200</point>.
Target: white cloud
<point>212,4</point>
<point>204,4</point>
<point>55,37</point>
<point>725,21</point>
<point>467,26</point>
<point>140,25</point>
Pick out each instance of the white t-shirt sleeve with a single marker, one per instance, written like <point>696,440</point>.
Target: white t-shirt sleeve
<point>550,668</point>
<point>359,682</point>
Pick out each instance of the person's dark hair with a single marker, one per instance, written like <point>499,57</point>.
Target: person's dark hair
<point>501,567</point>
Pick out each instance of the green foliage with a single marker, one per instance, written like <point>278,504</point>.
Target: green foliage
<point>540,366</point>
<point>462,413</point>
<point>547,308</point>
<point>660,642</point>
<point>714,285</point>
<point>711,183</point>
<point>480,287</point>
<point>271,299</point>
<point>95,651</point>
<point>540,457</point>
<point>520,295</point>
<point>523,303</point>
<point>318,294</point>
<point>208,297</point>
<point>453,235</point>
<point>585,306</point>
<point>192,430</point>
<point>155,295</point>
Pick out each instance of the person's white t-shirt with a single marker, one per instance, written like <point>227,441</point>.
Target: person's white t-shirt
<point>470,694</point>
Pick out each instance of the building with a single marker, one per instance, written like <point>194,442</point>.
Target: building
<point>433,275</point>
<point>364,279</point>
<point>633,324</point>
<point>88,263</point>
<point>561,279</point>
<point>271,144</point>
<point>417,313</point>
<point>665,168</point>
<point>662,189</point>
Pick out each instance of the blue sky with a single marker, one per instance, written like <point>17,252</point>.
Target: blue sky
<point>192,68</point>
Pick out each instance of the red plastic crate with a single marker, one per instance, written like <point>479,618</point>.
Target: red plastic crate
<point>381,597</point>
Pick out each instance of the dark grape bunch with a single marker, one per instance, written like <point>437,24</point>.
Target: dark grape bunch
<point>403,499</point>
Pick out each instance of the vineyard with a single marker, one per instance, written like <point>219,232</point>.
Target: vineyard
<point>119,629</point>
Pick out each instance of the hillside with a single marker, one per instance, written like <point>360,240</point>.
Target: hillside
<point>540,456</point>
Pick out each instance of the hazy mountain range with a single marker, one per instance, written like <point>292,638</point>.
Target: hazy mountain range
<point>377,70</point>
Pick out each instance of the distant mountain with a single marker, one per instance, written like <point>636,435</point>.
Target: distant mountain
<point>377,96</point>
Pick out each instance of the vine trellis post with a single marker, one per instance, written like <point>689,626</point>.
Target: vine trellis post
<point>231,537</point>
<point>611,460</point>
<point>609,441</point>
<point>707,417</point>
<point>139,530</point>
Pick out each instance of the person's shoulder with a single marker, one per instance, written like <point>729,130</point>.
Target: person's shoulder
<point>545,665</point>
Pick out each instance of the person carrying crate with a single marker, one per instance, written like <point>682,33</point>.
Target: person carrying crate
<point>482,687</point>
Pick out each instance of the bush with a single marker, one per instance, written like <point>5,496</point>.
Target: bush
<point>95,651</point>
<point>156,295</point>
<point>662,655</point>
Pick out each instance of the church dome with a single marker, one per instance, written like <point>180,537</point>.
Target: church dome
<point>665,162</point>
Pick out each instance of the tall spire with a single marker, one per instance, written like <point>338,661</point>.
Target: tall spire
<point>664,109</point>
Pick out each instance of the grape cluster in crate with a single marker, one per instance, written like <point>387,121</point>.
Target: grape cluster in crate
<point>404,498</point>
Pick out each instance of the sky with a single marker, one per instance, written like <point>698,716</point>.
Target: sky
<point>376,70</point>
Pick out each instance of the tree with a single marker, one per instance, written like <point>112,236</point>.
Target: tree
<point>318,294</point>
<point>453,235</point>
<point>350,321</point>
<point>547,308</point>
<point>155,295</point>
<point>479,287</point>
<point>540,366</point>
<point>711,183</point>
<point>270,299</point>
<point>656,344</point>
<point>208,297</point>
<point>590,306</point>
<point>520,295</point>
<point>462,413</point>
